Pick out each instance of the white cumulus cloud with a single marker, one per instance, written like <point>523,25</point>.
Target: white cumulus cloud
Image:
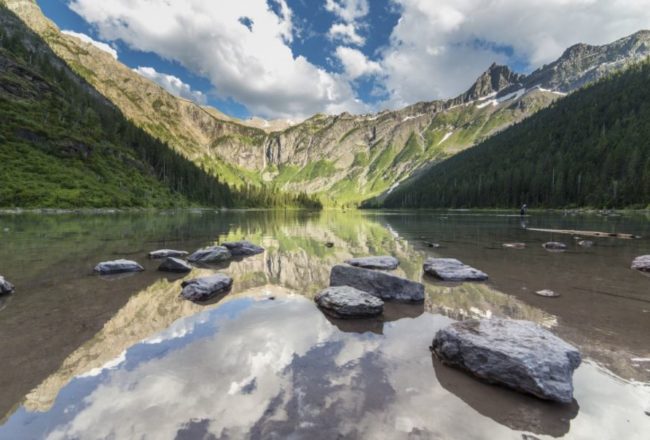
<point>172,84</point>
<point>436,50</point>
<point>355,63</point>
<point>346,33</point>
<point>350,12</point>
<point>86,39</point>
<point>255,67</point>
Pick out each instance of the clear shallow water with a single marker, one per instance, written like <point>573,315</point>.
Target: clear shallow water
<point>88,357</point>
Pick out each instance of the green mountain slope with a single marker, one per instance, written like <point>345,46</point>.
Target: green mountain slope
<point>342,159</point>
<point>64,145</point>
<point>589,149</point>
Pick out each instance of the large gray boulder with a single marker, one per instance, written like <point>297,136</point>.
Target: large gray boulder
<point>117,266</point>
<point>384,262</point>
<point>518,354</point>
<point>211,254</point>
<point>164,253</point>
<point>5,286</point>
<point>242,248</point>
<point>450,269</point>
<point>172,264</point>
<point>642,263</point>
<point>204,288</point>
<point>348,302</point>
<point>380,284</point>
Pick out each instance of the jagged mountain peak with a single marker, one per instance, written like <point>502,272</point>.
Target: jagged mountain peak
<point>496,78</point>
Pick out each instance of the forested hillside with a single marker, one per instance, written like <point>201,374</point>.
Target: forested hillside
<point>591,149</point>
<point>342,159</point>
<point>63,145</point>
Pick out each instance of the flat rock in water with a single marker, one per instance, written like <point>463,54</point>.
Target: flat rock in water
<point>382,262</point>
<point>348,302</point>
<point>518,354</point>
<point>547,293</point>
<point>164,253</point>
<point>172,264</point>
<point>118,266</point>
<point>450,269</point>
<point>642,263</point>
<point>514,245</point>
<point>431,245</point>
<point>211,254</point>
<point>554,246</point>
<point>204,288</point>
<point>380,284</point>
<point>243,248</point>
<point>586,243</point>
<point>5,286</point>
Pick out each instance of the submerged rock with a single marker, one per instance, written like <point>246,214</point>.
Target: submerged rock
<point>586,243</point>
<point>211,254</point>
<point>450,269</point>
<point>164,253</point>
<point>172,264</point>
<point>5,286</point>
<point>380,284</point>
<point>204,288</point>
<point>642,263</point>
<point>118,266</point>
<point>554,246</point>
<point>431,245</point>
<point>514,245</point>
<point>518,354</point>
<point>382,262</point>
<point>243,248</point>
<point>348,302</point>
<point>547,293</point>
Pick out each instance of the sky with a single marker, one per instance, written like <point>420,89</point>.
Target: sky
<point>291,59</point>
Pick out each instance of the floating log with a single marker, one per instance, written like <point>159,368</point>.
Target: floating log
<point>587,233</point>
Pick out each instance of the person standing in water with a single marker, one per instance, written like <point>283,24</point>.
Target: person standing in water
<point>522,216</point>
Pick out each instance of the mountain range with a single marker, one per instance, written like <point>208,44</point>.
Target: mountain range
<point>590,149</point>
<point>343,159</point>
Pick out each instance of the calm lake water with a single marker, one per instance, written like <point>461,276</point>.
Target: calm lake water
<point>124,357</point>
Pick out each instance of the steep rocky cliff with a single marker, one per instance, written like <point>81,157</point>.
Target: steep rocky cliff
<point>344,158</point>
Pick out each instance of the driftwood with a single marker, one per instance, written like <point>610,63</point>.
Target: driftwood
<point>587,233</point>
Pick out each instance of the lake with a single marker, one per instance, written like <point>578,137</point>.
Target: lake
<point>124,357</point>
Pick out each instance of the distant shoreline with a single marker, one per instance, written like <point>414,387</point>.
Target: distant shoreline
<point>511,211</point>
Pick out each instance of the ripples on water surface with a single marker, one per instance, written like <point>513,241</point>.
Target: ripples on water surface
<point>89,357</point>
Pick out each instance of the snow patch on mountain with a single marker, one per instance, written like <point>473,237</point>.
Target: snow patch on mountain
<point>445,137</point>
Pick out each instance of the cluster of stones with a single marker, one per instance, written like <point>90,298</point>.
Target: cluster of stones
<point>516,354</point>
<point>198,289</point>
<point>359,288</point>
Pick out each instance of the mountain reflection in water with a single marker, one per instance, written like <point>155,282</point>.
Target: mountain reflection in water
<point>248,366</point>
